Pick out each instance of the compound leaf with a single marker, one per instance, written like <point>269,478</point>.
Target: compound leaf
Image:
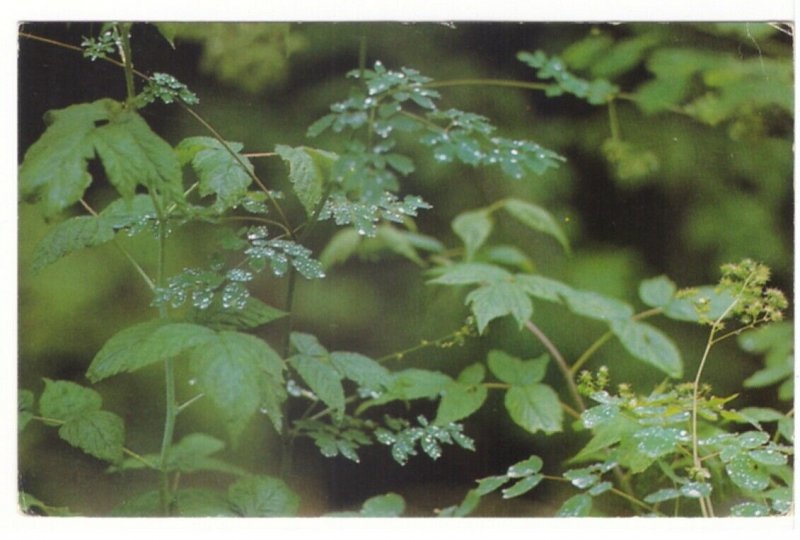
<point>650,345</point>
<point>146,343</point>
<point>55,169</point>
<point>263,496</point>
<point>537,218</point>
<point>534,407</point>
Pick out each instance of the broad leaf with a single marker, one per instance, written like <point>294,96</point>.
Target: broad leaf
<point>525,467</point>
<point>512,370</point>
<point>497,300</point>
<point>470,273</point>
<point>315,367</point>
<point>134,155</point>
<point>131,213</point>
<point>534,407</point>
<point>254,313</point>
<point>220,171</point>
<point>473,228</point>
<point>650,345</point>
<point>684,308</point>
<point>459,401</point>
<point>146,343</point>
<point>55,169</point>
<point>99,433</point>
<point>388,505</point>
<point>65,400</point>
<point>190,502</point>
<point>657,291</point>
<point>596,306</point>
<point>309,170</point>
<point>68,236</point>
<point>576,506</point>
<point>241,374</point>
<point>543,288</point>
<point>364,371</point>
<point>747,473</point>
<point>522,486</point>
<point>25,407</point>
<point>537,218</point>
<point>263,496</point>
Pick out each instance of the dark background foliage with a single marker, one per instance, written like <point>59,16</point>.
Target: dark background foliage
<point>699,190</point>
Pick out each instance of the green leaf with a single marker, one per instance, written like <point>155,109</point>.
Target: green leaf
<point>25,407</point>
<point>512,370</point>
<point>576,506</point>
<point>770,375</point>
<point>129,213</point>
<point>490,483</point>
<point>98,433</point>
<point>388,505</point>
<point>657,441</point>
<point>649,345</point>
<point>343,245</point>
<point>263,496</point>
<point>65,400</point>
<point>543,288</point>
<point>364,371</point>
<point>190,502</point>
<point>55,169</point>
<point>167,31</point>
<point>508,256</point>
<point>522,486</point>
<point>220,171</point>
<point>596,306</point>
<point>662,495</point>
<point>254,313</point>
<point>240,373</point>
<point>411,384</point>
<point>68,236</point>
<point>470,273</point>
<point>473,228</point>
<point>144,344</point>
<point>497,300</point>
<point>537,218</point>
<point>534,407</point>
<point>768,456</point>
<point>747,474</point>
<point>683,308</point>
<point>467,506</point>
<point>459,401</point>
<point>309,170</point>
<point>525,467</point>
<point>323,379</point>
<point>193,453</point>
<point>133,155</point>
<point>749,509</point>
<point>28,502</point>
<point>657,291</point>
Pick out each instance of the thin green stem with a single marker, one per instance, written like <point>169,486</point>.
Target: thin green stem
<point>140,458</point>
<point>560,362</point>
<point>186,404</point>
<point>507,83</point>
<point>124,32</point>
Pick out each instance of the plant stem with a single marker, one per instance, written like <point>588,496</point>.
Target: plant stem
<point>560,362</point>
<point>125,52</point>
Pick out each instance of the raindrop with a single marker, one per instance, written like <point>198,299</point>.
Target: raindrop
<point>263,410</point>
<point>192,381</point>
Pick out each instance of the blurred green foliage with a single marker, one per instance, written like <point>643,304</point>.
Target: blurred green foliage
<point>689,167</point>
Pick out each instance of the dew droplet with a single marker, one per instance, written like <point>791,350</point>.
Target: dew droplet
<point>192,381</point>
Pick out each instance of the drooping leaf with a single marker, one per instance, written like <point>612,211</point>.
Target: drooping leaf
<point>657,291</point>
<point>498,299</point>
<point>490,483</point>
<point>133,155</point>
<point>537,218</point>
<point>68,236</point>
<point>240,373</point>
<point>222,172</point>
<point>512,370</point>
<point>309,170</point>
<point>65,400</point>
<point>144,344</point>
<point>323,379</point>
<point>650,345</point>
<point>98,433</point>
<point>534,407</point>
<point>55,169</point>
<point>25,407</point>
<point>473,228</point>
<point>263,496</point>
